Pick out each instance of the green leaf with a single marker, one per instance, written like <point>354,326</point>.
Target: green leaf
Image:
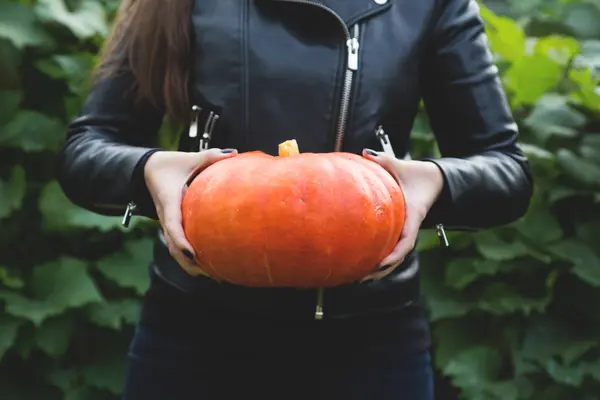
<point>500,299</point>
<point>506,37</point>
<point>582,18</point>
<point>60,214</point>
<point>106,372</point>
<point>9,280</point>
<point>87,19</point>
<point>13,192</point>
<point>474,368</point>
<point>18,24</point>
<point>530,77</point>
<point>578,169</point>
<point>9,329</point>
<point>54,335</point>
<point>552,115</point>
<point>32,131</point>
<point>114,314</point>
<point>461,272</point>
<point>561,49</point>
<point>9,104</point>
<point>539,225</point>
<point>57,287</point>
<point>129,268</point>
<point>73,68</point>
<point>441,301</point>
<point>586,264</point>
<point>492,247</point>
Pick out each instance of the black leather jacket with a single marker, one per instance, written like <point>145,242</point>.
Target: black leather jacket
<point>327,73</point>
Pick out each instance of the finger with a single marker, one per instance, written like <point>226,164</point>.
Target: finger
<point>403,247</point>
<point>382,272</point>
<point>406,243</point>
<point>183,258</point>
<point>204,159</point>
<point>388,162</point>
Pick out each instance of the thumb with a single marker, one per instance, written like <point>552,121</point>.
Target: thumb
<point>203,159</point>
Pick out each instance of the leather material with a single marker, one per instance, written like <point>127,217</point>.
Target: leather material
<point>274,70</point>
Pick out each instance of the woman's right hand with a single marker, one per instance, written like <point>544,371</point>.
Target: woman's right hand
<point>166,173</point>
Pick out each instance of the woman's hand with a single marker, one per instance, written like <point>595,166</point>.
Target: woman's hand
<point>422,183</point>
<point>166,174</point>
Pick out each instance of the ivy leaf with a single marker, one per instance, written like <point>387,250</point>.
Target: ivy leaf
<point>474,367</point>
<point>441,301</point>
<point>114,314</point>
<point>530,77</point>
<point>9,104</point>
<point>57,287</point>
<point>506,37</point>
<point>60,214</point>
<point>461,272</point>
<point>106,372</point>
<point>18,24</point>
<point>578,169</point>
<point>492,247</point>
<point>73,68</point>
<point>552,115</point>
<point>32,131</point>
<point>539,224</point>
<point>87,19</point>
<point>13,192</point>
<point>54,335</point>
<point>501,299</point>
<point>9,328</point>
<point>129,268</point>
<point>9,280</point>
<point>586,264</point>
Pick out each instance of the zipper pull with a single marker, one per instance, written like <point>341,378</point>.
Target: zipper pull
<point>131,207</point>
<point>193,132</point>
<point>319,309</point>
<point>441,234</point>
<point>352,53</point>
<point>384,139</point>
<point>353,45</point>
<point>208,130</point>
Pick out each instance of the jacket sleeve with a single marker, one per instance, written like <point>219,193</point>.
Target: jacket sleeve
<point>487,178</point>
<point>100,166</point>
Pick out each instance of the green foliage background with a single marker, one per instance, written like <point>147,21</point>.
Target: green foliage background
<point>514,310</point>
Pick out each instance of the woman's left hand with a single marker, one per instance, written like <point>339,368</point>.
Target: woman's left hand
<point>422,183</point>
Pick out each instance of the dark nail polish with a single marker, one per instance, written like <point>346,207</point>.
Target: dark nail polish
<point>371,152</point>
<point>227,151</point>
<point>188,254</point>
<point>382,268</point>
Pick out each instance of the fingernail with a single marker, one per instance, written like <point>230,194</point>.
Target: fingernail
<point>188,254</point>
<point>227,151</point>
<point>383,267</point>
<point>371,152</point>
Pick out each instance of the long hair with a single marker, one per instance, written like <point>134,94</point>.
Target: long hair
<point>151,40</point>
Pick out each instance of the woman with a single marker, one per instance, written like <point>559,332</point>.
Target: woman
<point>335,75</point>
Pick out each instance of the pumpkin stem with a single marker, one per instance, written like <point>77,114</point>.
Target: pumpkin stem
<point>288,148</point>
<point>319,310</point>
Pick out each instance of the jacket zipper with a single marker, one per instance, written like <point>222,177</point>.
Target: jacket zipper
<point>352,44</point>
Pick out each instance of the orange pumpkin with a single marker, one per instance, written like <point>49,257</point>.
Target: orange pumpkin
<point>298,220</point>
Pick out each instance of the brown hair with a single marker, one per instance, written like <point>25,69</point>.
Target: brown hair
<point>151,39</point>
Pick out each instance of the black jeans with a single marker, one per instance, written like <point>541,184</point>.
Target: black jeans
<point>188,349</point>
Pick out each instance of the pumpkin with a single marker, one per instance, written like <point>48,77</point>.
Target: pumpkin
<point>299,220</point>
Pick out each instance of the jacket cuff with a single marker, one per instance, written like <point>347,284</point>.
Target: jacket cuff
<point>141,195</point>
<point>443,207</point>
